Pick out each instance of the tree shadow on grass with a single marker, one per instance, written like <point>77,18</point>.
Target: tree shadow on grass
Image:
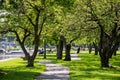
<point>21,72</point>
<point>48,57</point>
<point>89,76</point>
<point>95,74</point>
<point>18,75</point>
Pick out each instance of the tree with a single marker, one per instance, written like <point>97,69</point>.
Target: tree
<point>36,12</point>
<point>96,48</point>
<point>3,13</point>
<point>73,25</point>
<point>105,15</point>
<point>57,35</point>
<point>35,15</point>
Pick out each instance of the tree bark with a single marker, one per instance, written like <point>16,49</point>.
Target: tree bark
<point>103,47</point>
<point>104,53</point>
<point>30,62</point>
<point>67,51</point>
<point>96,48</point>
<point>115,53</point>
<point>25,51</point>
<point>108,40</point>
<point>90,49</point>
<point>60,47</point>
<point>104,60</point>
<point>59,50</point>
<point>96,51</point>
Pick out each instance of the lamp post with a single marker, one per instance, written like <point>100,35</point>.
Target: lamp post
<point>44,42</point>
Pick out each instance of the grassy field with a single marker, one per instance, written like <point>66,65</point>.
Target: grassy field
<point>88,68</point>
<point>15,70</point>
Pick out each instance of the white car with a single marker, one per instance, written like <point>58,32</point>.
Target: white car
<point>16,52</point>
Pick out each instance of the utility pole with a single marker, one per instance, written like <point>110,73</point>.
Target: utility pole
<point>44,41</point>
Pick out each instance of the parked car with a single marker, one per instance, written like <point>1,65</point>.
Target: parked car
<point>41,51</point>
<point>2,50</point>
<point>16,52</point>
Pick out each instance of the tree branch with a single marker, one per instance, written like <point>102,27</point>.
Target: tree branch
<point>89,29</point>
<point>41,25</point>
<point>23,8</point>
<point>25,29</point>
<point>26,34</point>
<point>37,8</point>
<point>107,35</point>
<point>29,19</point>
<point>75,37</point>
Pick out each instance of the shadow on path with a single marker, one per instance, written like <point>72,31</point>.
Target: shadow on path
<point>56,71</point>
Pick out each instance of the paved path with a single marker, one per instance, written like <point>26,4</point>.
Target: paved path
<point>75,57</point>
<point>56,71</point>
<point>6,59</point>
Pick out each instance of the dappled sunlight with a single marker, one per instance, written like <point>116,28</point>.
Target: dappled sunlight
<point>89,68</point>
<point>16,69</point>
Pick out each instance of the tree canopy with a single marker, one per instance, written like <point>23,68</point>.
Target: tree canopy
<point>61,22</point>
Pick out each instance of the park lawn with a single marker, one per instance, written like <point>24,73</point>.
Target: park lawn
<point>16,70</point>
<point>88,68</point>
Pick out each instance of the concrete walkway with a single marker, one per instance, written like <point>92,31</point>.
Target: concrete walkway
<point>56,71</point>
<point>6,59</point>
<point>75,57</point>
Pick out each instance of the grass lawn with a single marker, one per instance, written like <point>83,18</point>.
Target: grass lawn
<point>88,68</point>
<point>15,70</point>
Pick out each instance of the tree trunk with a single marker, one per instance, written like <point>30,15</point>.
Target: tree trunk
<point>116,48</point>
<point>115,53</point>
<point>44,49</point>
<point>25,51</point>
<point>67,51</point>
<point>96,51</point>
<point>103,47</point>
<point>90,49</point>
<point>60,48</point>
<point>107,39</point>
<point>104,61</point>
<point>32,58</point>
<point>78,50</point>
<point>107,51</point>
<point>30,62</point>
<point>96,48</point>
<point>104,54</point>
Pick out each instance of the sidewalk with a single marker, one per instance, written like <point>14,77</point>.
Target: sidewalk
<point>75,57</point>
<point>56,71</point>
<point>6,59</point>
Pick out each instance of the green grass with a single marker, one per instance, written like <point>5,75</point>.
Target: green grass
<point>88,68</point>
<point>16,70</point>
